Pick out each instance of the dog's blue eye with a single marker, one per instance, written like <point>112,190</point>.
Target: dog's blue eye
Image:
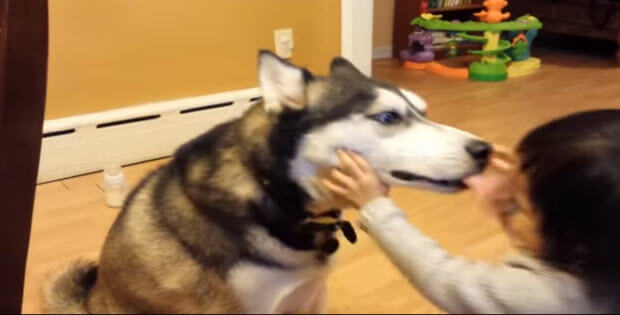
<point>387,118</point>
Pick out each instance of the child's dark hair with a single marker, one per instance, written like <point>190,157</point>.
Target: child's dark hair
<point>573,168</point>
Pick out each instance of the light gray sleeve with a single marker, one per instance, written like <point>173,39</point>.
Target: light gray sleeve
<point>456,285</point>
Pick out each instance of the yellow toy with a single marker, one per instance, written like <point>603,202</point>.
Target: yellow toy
<point>431,16</point>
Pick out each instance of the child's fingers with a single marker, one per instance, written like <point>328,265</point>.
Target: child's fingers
<point>348,164</point>
<point>361,162</point>
<point>324,192</point>
<point>502,164</point>
<point>504,153</point>
<point>334,188</point>
<point>501,149</point>
<point>342,179</point>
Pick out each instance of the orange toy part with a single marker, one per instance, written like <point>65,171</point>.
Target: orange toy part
<point>519,37</point>
<point>437,68</point>
<point>493,13</point>
<point>415,65</point>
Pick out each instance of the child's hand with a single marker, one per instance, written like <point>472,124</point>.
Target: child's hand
<point>354,181</point>
<point>496,186</point>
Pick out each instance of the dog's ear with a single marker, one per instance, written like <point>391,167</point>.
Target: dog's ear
<point>341,67</point>
<point>283,85</point>
<point>418,102</point>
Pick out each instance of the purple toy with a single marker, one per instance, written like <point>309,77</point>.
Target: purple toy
<point>420,47</point>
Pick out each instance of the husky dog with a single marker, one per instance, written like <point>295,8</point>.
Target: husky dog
<point>231,224</point>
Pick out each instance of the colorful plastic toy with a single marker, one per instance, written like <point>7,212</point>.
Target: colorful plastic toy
<point>420,47</point>
<point>496,52</point>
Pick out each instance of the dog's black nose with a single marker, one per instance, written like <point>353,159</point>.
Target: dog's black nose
<point>480,151</point>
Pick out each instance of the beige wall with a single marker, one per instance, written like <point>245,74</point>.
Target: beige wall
<point>383,22</point>
<point>106,54</point>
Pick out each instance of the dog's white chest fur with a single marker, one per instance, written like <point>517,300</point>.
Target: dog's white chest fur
<point>299,286</point>
<point>263,289</point>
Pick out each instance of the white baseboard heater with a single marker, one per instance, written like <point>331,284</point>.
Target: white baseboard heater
<point>86,143</point>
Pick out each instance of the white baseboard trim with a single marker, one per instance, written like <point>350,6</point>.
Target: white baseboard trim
<point>381,52</point>
<point>86,143</point>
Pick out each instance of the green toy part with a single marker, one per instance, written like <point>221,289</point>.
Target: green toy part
<point>488,71</point>
<point>502,46</point>
<point>473,38</point>
<point>526,22</point>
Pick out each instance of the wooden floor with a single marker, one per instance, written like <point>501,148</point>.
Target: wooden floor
<point>71,220</point>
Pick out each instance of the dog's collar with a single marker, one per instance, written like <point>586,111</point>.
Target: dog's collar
<point>299,229</point>
<point>331,220</point>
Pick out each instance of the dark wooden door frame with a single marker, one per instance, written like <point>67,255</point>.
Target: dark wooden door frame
<point>23,76</point>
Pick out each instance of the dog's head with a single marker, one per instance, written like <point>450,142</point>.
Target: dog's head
<point>380,121</point>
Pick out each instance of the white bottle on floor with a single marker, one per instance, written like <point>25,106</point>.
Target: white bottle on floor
<point>115,185</point>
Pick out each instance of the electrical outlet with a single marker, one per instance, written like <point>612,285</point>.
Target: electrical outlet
<point>284,42</point>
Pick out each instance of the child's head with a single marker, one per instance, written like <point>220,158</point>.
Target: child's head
<point>560,196</point>
<point>571,167</point>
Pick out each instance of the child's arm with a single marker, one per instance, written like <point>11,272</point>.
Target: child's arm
<point>454,284</point>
